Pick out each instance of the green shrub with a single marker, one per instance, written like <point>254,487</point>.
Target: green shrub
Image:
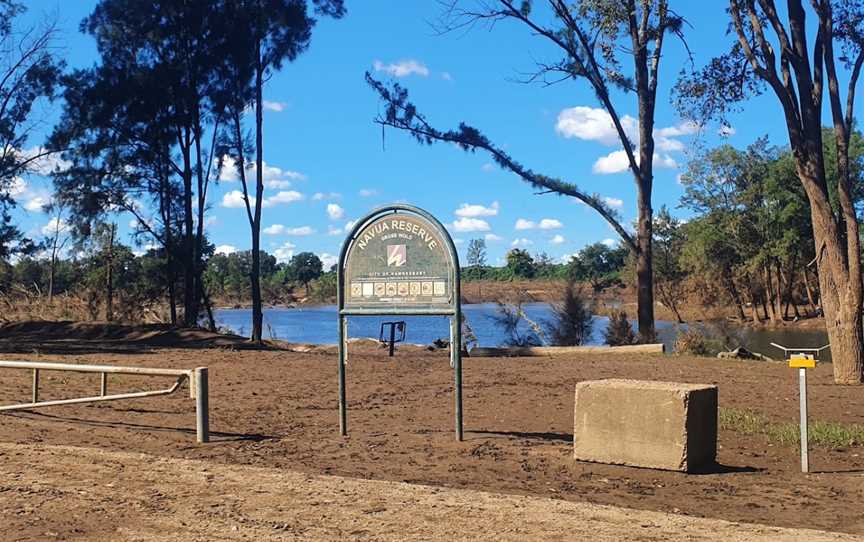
<point>619,332</point>
<point>573,322</point>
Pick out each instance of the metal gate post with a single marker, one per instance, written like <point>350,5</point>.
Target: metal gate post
<point>35,394</point>
<point>202,405</point>
<point>802,390</point>
<point>343,345</point>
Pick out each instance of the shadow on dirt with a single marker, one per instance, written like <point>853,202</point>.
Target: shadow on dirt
<point>215,436</point>
<point>553,437</point>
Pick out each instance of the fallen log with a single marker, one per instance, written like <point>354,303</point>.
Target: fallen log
<point>529,351</point>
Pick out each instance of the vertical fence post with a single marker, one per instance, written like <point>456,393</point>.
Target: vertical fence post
<point>202,405</point>
<point>103,385</point>
<point>35,394</point>
<point>802,385</point>
<point>343,354</point>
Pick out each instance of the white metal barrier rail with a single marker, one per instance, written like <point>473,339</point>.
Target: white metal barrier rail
<point>198,387</point>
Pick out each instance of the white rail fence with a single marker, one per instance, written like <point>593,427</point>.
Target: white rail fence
<point>198,387</point>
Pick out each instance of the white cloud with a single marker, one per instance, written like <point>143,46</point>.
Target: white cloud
<point>277,184</point>
<point>54,225</point>
<point>521,242</point>
<point>682,128</point>
<point>557,240</point>
<point>402,68</point>
<point>274,177</point>
<point>226,249</point>
<point>665,161</point>
<point>44,165</point>
<point>487,167</point>
<point>616,162</point>
<point>37,204</point>
<point>350,224</point>
<point>328,260</point>
<point>726,131</point>
<point>284,253</point>
<point>278,107</point>
<point>17,187</point>
<point>492,238</point>
<point>333,230</point>
<point>319,196</point>
<point>299,231</point>
<point>446,76</point>
<point>614,202</point>
<point>283,196</point>
<point>609,242</point>
<point>523,224</point>
<point>275,229</point>
<point>475,210</point>
<point>467,224</point>
<point>335,212</point>
<point>550,224</point>
<point>458,242</point>
<point>234,200</point>
<point>593,124</point>
<point>367,192</point>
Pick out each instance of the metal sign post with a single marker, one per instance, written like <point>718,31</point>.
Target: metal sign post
<point>802,359</point>
<point>399,260</point>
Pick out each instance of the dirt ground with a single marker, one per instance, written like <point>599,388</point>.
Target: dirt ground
<point>277,409</point>
<point>126,496</point>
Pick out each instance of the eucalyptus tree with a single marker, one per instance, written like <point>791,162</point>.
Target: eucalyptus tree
<point>595,39</point>
<point>798,63</point>
<point>264,34</point>
<point>30,67</point>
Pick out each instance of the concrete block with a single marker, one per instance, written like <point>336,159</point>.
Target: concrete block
<point>659,425</point>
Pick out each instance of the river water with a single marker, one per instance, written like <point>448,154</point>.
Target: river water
<point>318,325</point>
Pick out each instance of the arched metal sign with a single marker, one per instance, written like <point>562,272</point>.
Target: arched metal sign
<point>399,259</point>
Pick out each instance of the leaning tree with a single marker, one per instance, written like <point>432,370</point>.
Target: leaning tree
<point>779,54</point>
<point>594,39</point>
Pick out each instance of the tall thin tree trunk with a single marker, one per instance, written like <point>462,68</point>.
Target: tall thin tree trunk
<point>736,299</point>
<point>810,299</point>
<point>190,312</point>
<point>109,276</point>
<point>257,309</point>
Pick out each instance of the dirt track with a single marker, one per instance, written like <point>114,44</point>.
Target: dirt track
<point>52,492</point>
<point>278,409</point>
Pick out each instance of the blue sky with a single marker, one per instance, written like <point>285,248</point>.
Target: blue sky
<point>327,163</point>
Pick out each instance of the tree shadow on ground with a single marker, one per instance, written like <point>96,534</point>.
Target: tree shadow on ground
<point>215,436</point>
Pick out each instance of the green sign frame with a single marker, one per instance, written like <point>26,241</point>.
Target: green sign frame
<point>399,260</point>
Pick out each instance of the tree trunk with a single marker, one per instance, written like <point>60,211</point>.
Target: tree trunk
<point>841,299</point>
<point>736,299</point>
<point>257,309</point>
<point>810,299</point>
<point>190,311</point>
<point>645,269</point>
<point>769,293</point>
<point>109,276</point>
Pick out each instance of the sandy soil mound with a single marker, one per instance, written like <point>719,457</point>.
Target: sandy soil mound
<point>71,336</point>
